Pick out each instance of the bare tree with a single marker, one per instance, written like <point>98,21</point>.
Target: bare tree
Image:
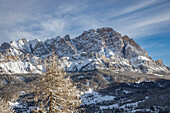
<point>55,92</point>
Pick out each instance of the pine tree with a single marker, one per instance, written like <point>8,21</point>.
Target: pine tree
<point>55,92</point>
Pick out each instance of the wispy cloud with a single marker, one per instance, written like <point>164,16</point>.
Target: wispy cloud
<point>45,19</point>
<point>30,22</point>
<point>144,22</point>
<point>54,25</point>
<point>48,18</point>
<point>131,7</point>
<point>160,54</point>
<point>155,45</point>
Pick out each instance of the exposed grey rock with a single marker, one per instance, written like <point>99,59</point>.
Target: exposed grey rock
<point>105,47</point>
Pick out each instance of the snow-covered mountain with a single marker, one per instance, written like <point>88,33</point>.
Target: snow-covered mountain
<point>94,49</point>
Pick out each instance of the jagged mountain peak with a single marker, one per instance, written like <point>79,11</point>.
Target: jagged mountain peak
<point>106,30</point>
<point>67,37</point>
<point>101,31</point>
<point>100,48</point>
<point>5,45</point>
<point>23,40</point>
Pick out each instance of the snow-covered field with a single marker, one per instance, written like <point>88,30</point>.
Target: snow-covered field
<point>93,97</point>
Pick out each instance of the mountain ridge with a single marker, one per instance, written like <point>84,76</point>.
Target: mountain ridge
<point>101,48</point>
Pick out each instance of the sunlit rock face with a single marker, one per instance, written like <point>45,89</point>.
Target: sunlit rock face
<point>103,48</point>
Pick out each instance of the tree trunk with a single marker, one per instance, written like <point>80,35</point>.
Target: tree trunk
<point>51,99</point>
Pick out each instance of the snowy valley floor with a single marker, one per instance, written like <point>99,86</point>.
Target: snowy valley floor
<point>102,91</point>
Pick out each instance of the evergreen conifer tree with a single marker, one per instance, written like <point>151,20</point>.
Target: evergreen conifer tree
<point>55,92</point>
<point>5,107</point>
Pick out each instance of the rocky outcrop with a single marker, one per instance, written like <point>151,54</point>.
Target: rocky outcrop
<point>60,46</point>
<point>5,46</point>
<point>40,49</point>
<point>159,62</point>
<point>67,38</point>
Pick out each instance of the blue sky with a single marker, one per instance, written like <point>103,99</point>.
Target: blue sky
<point>146,21</point>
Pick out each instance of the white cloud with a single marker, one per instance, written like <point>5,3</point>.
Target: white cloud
<point>152,20</point>
<point>17,34</point>
<point>54,25</point>
<point>137,6</point>
<point>145,22</point>
<point>155,45</point>
<point>48,19</point>
<point>131,6</point>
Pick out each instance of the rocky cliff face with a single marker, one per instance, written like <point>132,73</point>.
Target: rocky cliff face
<point>93,49</point>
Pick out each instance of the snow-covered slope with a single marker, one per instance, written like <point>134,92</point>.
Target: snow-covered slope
<point>94,49</point>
